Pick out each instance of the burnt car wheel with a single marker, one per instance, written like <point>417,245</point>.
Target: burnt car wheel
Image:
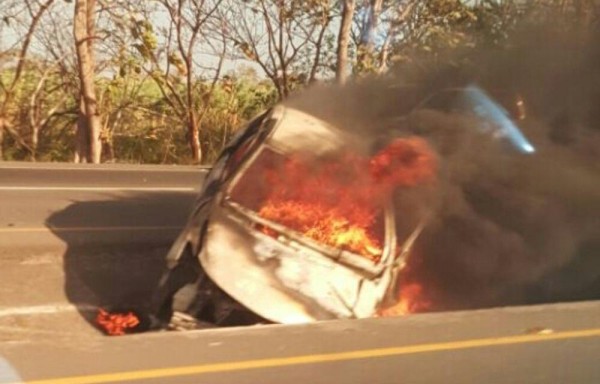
<point>188,299</point>
<point>185,272</point>
<point>203,304</point>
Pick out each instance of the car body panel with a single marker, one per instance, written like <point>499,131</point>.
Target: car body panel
<point>288,279</point>
<point>271,270</point>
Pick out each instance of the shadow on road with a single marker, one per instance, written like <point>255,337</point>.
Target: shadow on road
<point>116,246</point>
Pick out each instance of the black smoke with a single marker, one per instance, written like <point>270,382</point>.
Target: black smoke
<point>503,227</point>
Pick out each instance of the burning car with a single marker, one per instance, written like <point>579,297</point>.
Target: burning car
<point>300,221</point>
<point>293,225</point>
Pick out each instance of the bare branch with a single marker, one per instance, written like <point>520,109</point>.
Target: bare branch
<point>36,17</point>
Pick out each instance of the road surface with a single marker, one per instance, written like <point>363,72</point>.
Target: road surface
<point>74,238</point>
<point>544,344</point>
<point>40,201</point>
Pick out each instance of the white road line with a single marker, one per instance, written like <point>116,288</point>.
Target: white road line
<point>100,189</point>
<point>45,309</point>
<point>140,168</point>
<point>89,229</point>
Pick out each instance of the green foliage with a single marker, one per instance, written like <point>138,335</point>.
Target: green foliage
<point>142,85</point>
<point>139,126</point>
<point>143,32</point>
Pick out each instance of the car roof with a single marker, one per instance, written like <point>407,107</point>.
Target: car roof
<point>300,132</point>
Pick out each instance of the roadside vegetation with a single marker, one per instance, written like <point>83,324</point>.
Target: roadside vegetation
<point>170,81</point>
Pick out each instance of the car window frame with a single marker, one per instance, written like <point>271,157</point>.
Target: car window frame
<point>222,168</point>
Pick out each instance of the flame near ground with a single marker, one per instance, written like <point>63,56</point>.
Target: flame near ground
<point>117,323</point>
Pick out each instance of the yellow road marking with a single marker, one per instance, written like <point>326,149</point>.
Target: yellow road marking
<point>87,229</point>
<point>97,189</point>
<point>313,359</point>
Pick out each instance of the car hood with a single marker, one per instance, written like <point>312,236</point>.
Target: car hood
<point>284,283</point>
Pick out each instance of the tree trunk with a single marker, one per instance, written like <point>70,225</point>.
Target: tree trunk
<point>83,29</point>
<point>35,139</point>
<point>194,135</point>
<point>365,49</point>
<point>341,72</point>
<point>193,128</point>
<point>1,138</point>
<point>82,138</point>
<point>402,18</point>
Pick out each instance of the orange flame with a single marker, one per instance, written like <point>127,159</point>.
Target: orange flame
<point>326,225</point>
<point>116,324</point>
<point>336,202</point>
<point>339,201</point>
<point>412,300</point>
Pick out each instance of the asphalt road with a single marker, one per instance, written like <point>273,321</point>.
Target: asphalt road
<point>73,238</point>
<point>545,344</point>
<point>144,203</point>
<point>82,236</point>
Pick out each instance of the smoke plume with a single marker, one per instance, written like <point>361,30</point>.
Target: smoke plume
<point>503,227</point>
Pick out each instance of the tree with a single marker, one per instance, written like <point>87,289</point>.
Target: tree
<point>8,88</point>
<point>44,103</point>
<point>368,20</point>
<point>284,38</point>
<point>341,72</point>
<point>132,71</point>
<point>377,25</point>
<point>173,66</point>
<point>88,145</point>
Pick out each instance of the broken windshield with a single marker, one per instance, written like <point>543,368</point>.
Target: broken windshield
<point>328,200</point>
